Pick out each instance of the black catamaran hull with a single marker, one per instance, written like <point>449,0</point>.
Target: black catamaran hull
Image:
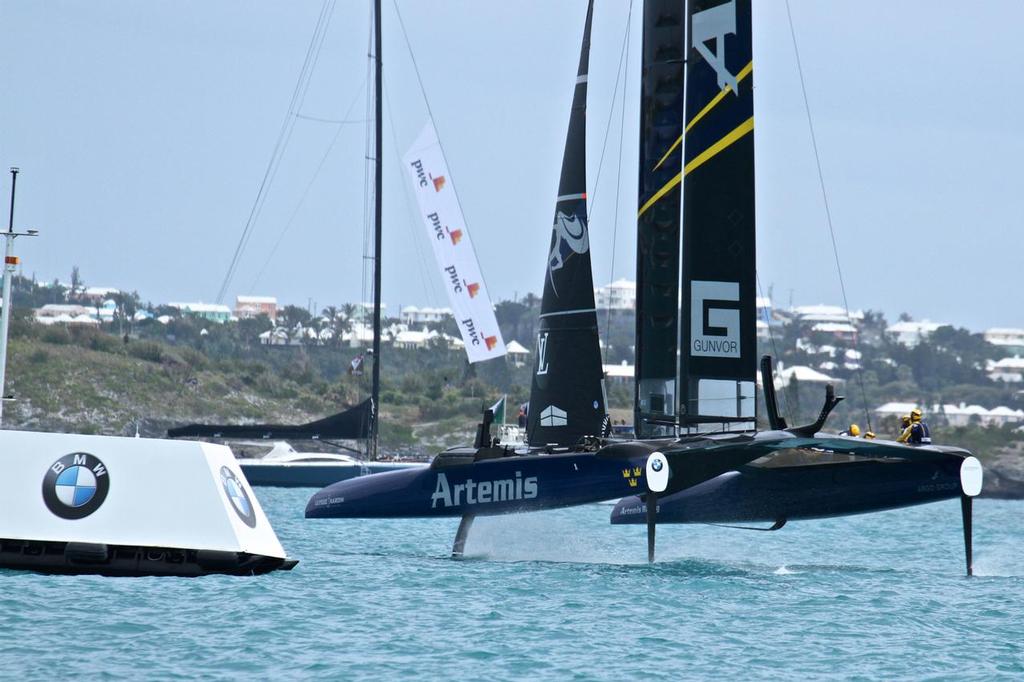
<point>754,494</point>
<point>488,487</point>
<point>483,482</point>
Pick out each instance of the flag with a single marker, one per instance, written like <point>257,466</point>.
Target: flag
<point>453,248</point>
<point>356,366</point>
<point>498,409</point>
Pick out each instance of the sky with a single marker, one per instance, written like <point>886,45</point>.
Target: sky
<point>143,131</point>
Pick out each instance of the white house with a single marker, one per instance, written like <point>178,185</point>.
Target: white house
<point>955,415</point>
<point>618,295</point>
<point>98,294</point>
<point>802,374</point>
<point>620,373</point>
<point>412,315</point>
<point>826,313</point>
<point>1010,370</point>
<point>839,330</point>
<point>61,313</point>
<point>910,333</point>
<point>215,312</point>
<point>517,353</point>
<point>1011,340</point>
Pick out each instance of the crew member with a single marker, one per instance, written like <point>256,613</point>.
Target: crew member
<point>904,425</point>
<point>917,433</point>
<point>852,432</point>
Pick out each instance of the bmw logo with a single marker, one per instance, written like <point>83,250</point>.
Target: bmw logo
<point>76,485</point>
<point>656,465</point>
<point>238,497</point>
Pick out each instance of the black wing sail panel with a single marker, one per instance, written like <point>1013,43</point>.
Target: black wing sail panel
<point>352,424</point>
<point>718,353</point>
<point>661,129</point>
<point>566,396</point>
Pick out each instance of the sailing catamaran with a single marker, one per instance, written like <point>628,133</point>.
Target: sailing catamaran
<point>696,348</point>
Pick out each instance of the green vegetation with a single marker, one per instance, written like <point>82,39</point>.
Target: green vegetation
<point>144,373</point>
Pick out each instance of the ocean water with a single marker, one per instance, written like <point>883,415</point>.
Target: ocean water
<point>553,595</point>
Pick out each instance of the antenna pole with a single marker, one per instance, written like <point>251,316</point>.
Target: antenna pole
<point>10,263</point>
<point>14,182</point>
<point>378,212</point>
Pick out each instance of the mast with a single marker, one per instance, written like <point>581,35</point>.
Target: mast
<point>378,130</point>
<point>566,393</point>
<point>658,217</point>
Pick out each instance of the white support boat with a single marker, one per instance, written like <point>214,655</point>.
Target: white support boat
<point>285,467</point>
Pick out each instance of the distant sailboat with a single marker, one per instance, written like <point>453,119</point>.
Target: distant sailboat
<point>283,466</point>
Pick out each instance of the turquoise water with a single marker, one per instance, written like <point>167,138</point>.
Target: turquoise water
<point>553,595</point>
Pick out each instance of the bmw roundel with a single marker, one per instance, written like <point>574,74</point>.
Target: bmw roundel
<point>656,465</point>
<point>76,485</point>
<point>238,497</point>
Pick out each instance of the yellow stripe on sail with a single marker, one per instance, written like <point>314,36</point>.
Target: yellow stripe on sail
<point>660,193</point>
<point>744,72</point>
<point>709,153</point>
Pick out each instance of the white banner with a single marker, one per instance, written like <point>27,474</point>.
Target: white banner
<point>453,248</point>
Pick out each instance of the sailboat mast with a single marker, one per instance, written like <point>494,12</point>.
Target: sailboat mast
<point>378,130</point>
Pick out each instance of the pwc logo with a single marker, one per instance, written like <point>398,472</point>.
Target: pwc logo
<point>714,319</point>
<point>454,235</point>
<point>491,342</point>
<point>438,182</point>
<point>473,288</point>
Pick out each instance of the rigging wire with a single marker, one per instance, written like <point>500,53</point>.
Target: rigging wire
<point>433,122</point>
<point>611,112</point>
<point>427,282</point>
<point>336,121</point>
<point>280,239</point>
<point>284,136</point>
<point>828,214</point>
<point>618,175</point>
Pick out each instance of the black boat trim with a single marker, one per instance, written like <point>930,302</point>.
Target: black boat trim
<point>775,526</point>
<point>78,558</point>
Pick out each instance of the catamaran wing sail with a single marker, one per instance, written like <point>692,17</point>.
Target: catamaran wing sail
<point>566,396</point>
<point>352,424</point>
<point>696,287</point>
<point>718,346</point>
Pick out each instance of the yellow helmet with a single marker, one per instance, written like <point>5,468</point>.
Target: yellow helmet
<point>915,415</point>
<point>854,430</point>
<point>869,435</point>
<point>905,419</point>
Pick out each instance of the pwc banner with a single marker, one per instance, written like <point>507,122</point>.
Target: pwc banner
<point>453,248</point>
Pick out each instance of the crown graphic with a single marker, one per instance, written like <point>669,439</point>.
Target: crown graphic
<point>491,342</point>
<point>637,471</point>
<point>625,473</point>
<point>455,235</point>
<point>632,483</point>
<point>438,183</point>
<point>473,288</point>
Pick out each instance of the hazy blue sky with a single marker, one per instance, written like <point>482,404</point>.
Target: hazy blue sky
<point>143,130</point>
